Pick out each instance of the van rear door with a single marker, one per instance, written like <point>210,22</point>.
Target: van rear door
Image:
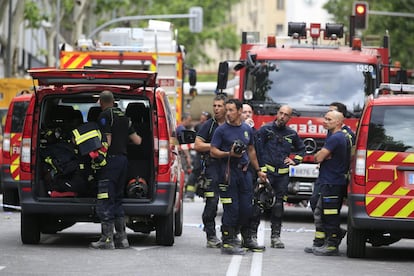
<point>390,162</point>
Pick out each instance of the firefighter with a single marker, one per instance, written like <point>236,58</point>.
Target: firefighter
<point>196,171</point>
<point>275,142</point>
<point>212,170</point>
<point>111,180</point>
<point>247,117</point>
<point>315,200</point>
<point>333,159</point>
<point>232,144</point>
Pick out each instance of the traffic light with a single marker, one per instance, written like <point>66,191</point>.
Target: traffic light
<point>361,14</point>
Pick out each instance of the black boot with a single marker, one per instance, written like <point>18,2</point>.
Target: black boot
<point>318,241</point>
<point>275,241</point>
<point>120,238</point>
<point>250,241</point>
<point>229,244</point>
<point>330,248</point>
<point>212,240</point>
<point>107,237</point>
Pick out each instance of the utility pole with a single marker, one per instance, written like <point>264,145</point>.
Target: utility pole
<point>8,68</point>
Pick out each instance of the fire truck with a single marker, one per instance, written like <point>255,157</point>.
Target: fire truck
<point>308,70</point>
<point>152,49</point>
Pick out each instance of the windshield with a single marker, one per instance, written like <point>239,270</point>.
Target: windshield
<point>310,86</point>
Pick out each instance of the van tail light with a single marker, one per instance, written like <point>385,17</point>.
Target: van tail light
<point>6,145</point>
<point>360,158</point>
<point>26,145</point>
<point>25,156</point>
<point>361,149</point>
<point>164,144</point>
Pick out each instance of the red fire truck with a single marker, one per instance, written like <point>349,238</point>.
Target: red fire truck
<point>307,72</point>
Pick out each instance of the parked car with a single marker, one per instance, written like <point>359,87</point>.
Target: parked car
<point>12,138</point>
<point>65,100</point>
<point>381,191</point>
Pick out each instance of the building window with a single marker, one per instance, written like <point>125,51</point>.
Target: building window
<point>280,4</point>
<point>279,29</point>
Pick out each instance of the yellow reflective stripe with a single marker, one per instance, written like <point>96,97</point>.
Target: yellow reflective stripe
<point>319,235</point>
<point>387,157</point>
<point>225,200</point>
<point>263,169</point>
<point>270,168</point>
<point>190,188</point>
<point>103,195</point>
<point>209,194</point>
<point>330,211</point>
<point>80,138</point>
<point>283,170</point>
<point>298,157</point>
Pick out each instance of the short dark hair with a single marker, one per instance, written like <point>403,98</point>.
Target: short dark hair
<point>341,108</point>
<point>220,97</point>
<point>237,102</point>
<point>106,96</point>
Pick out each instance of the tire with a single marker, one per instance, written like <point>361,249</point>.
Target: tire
<point>29,229</point>
<point>11,198</point>
<point>356,242</point>
<point>165,230</point>
<point>178,220</point>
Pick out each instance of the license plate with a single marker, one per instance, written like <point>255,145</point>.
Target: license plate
<point>304,170</point>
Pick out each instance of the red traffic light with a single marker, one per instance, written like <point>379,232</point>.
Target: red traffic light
<point>360,9</point>
<point>361,14</point>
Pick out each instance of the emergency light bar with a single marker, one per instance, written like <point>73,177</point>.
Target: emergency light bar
<point>332,31</point>
<point>394,89</point>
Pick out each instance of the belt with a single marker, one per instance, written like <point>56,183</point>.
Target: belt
<point>273,169</point>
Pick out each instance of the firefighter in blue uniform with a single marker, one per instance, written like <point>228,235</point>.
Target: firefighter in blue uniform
<point>315,200</point>
<point>112,179</point>
<point>275,142</point>
<point>212,169</point>
<point>334,165</point>
<point>232,144</point>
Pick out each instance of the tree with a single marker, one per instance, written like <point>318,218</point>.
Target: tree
<point>399,28</point>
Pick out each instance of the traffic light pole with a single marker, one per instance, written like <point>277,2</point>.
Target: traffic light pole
<point>139,17</point>
<point>399,14</point>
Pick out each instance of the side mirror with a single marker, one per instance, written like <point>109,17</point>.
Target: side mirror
<point>222,76</point>
<point>187,137</point>
<point>192,77</point>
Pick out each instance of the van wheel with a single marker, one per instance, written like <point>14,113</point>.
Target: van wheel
<point>164,232</point>
<point>356,243</point>
<point>179,215</point>
<point>10,198</point>
<point>29,229</point>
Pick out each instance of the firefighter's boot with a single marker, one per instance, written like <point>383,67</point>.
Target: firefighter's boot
<point>107,237</point>
<point>318,241</point>
<point>330,247</point>
<point>120,238</point>
<point>250,241</point>
<point>275,241</point>
<point>229,245</point>
<point>212,240</point>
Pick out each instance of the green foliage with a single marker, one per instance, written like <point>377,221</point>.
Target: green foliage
<point>33,14</point>
<point>400,29</point>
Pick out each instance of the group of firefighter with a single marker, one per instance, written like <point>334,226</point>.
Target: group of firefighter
<point>247,170</point>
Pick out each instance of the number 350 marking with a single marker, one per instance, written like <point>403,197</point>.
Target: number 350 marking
<point>365,68</point>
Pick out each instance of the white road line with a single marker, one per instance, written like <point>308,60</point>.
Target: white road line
<point>257,259</point>
<point>2,267</point>
<point>234,267</point>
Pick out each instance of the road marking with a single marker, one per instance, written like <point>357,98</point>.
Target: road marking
<point>234,267</point>
<point>257,260</point>
<point>144,248</point>
<point>2,267</point>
